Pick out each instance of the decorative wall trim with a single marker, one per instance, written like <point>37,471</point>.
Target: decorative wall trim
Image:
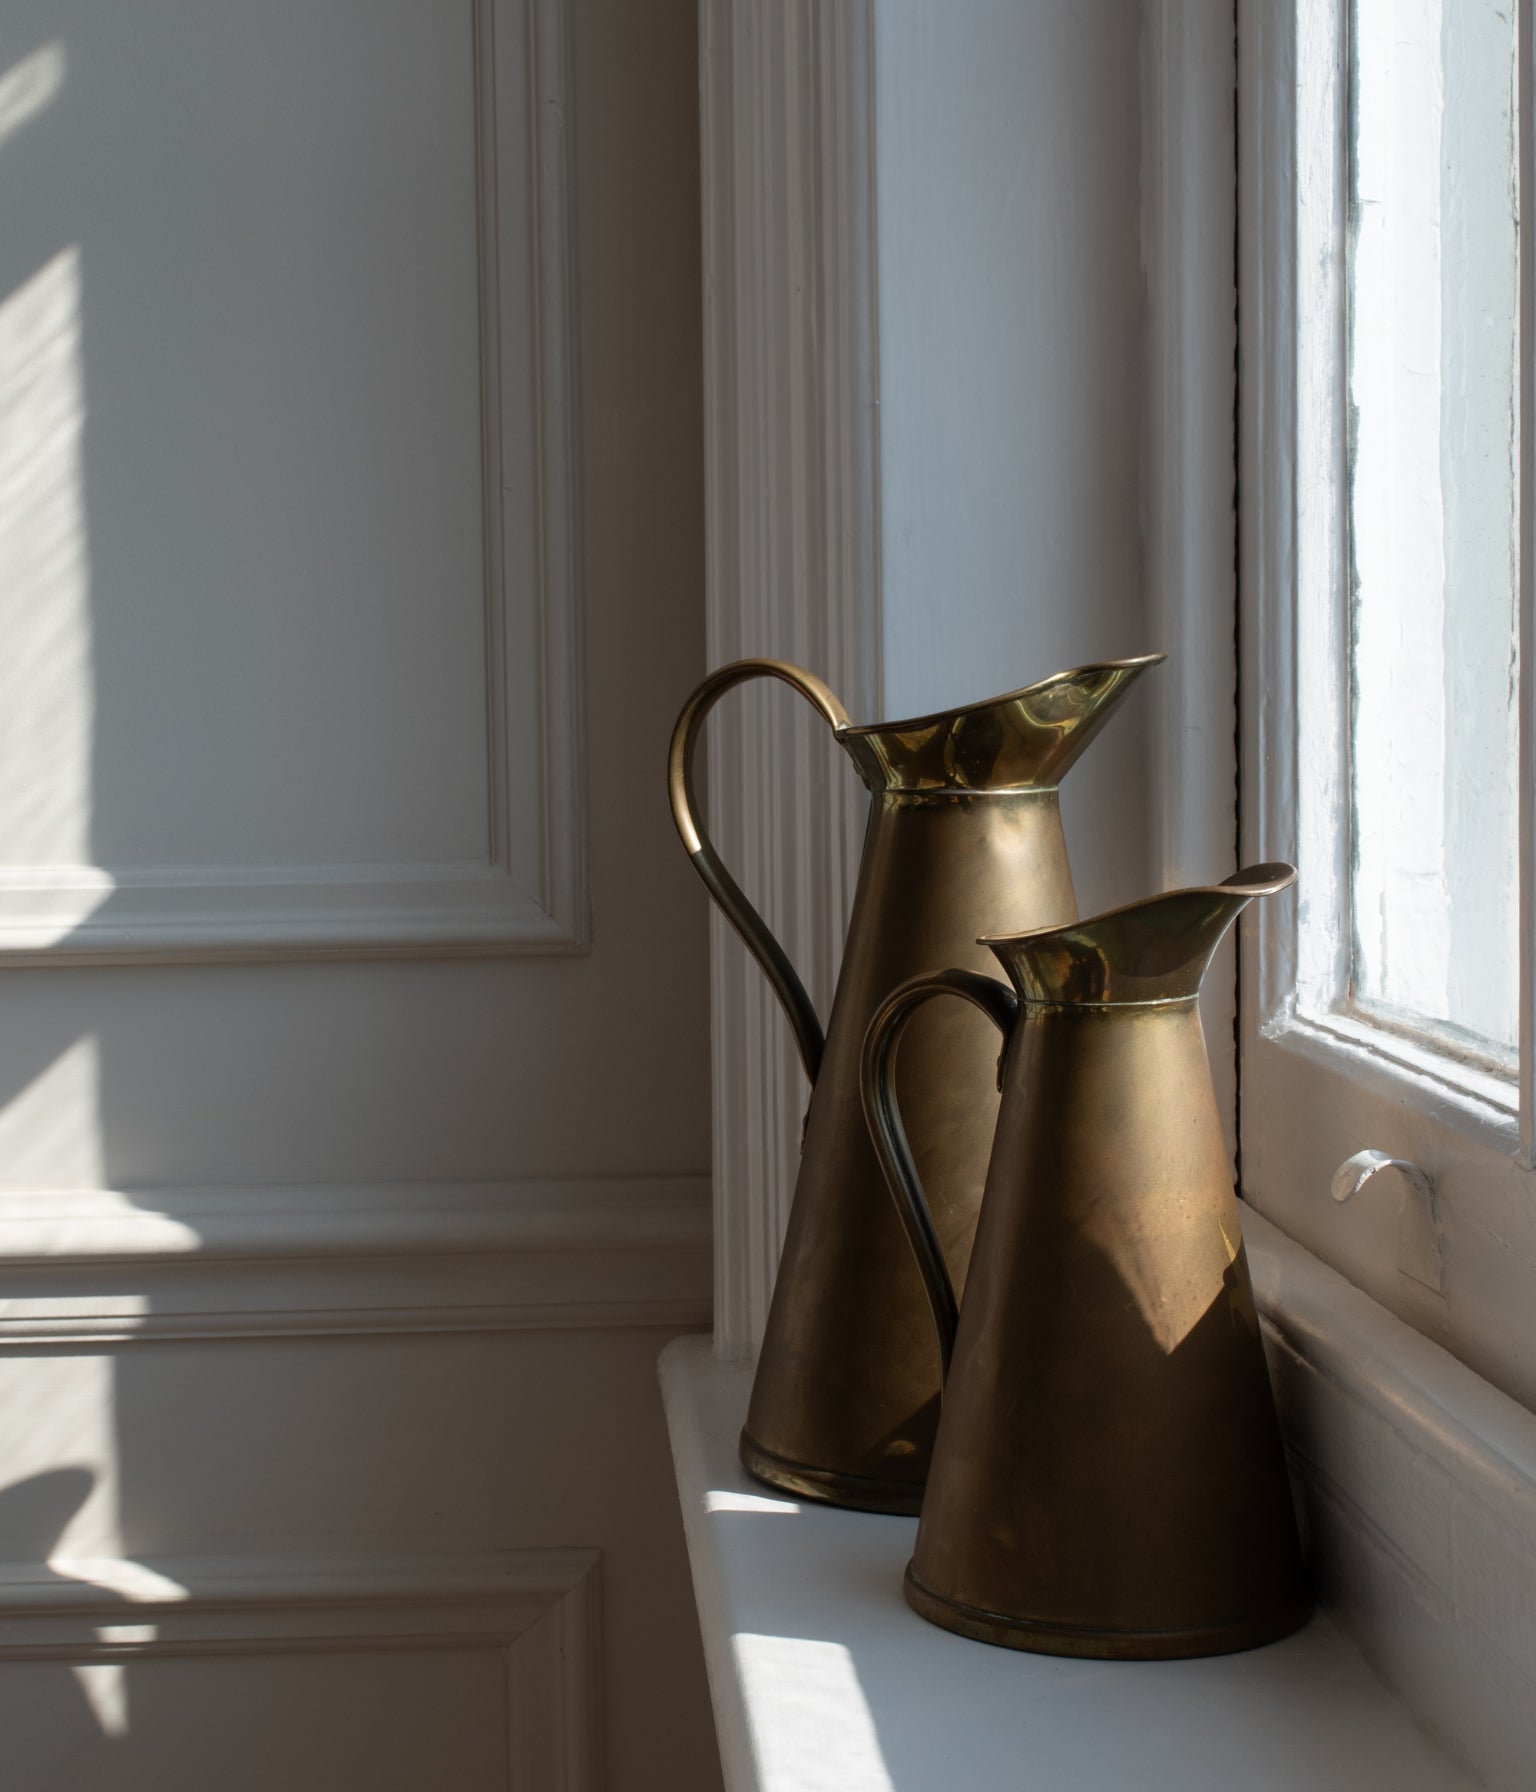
<point>1189,218</point>
<point>538,1609</point>
<point>529,893</point>
<point>792,569</point>
<point>530,371</point>
<point>101,1266</point>
<point>1418,1487</point>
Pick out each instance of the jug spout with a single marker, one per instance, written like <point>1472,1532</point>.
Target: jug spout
<point>1025,739</point>
<point>1155,950</point>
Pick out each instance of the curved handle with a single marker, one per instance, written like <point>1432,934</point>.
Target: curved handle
<point>748,923</point>
<point>877,1084</point>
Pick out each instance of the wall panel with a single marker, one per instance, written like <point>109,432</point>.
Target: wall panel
<point>358,1244</point>
<point>312,1674</point>
<point>293,598</point>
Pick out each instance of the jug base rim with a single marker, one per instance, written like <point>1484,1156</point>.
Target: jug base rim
<point>1230,1637</point>
<point>859,1493</point>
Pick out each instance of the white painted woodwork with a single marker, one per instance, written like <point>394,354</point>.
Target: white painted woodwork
<point>100,1266</point>
<point>410,1655</point>
<point>791,495</point>
<point>1358,1087</point>
<point>260,1455</point>
<point>1418,1484</point>
<point>332,1289</point>
<point>345,568</point>
<point>1525,99</point>
<point>824,1681</point>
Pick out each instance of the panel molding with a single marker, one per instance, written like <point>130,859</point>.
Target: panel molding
<point>538,1609</point>
<point>101,1266</point>
<point>529,893</point>
<point>792,545</point>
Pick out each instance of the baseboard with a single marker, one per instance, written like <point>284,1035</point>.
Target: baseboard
<point>233,1262</point>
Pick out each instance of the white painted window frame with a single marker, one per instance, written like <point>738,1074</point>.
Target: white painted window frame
<point>1319,1085</point>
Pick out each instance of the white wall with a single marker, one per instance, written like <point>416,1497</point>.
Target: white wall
<point>312,1255</point>
<point>1007,183</point>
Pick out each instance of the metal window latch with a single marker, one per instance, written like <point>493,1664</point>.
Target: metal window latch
<point>1420,1241</point>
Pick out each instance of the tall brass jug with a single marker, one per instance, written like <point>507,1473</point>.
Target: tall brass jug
<point>964,835</point>
<point>1108,1477</point>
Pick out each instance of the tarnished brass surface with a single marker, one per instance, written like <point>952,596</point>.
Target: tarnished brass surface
<point>1108,1477</point>
<point>964,836</point>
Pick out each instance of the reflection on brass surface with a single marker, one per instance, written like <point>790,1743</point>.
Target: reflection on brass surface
<point>1108,1477</point>
<point>964,836</point>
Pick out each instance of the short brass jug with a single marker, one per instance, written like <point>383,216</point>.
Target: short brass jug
<point>964,835</point>
<point>1108,1478</point>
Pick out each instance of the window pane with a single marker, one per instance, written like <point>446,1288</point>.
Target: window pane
<point>1432,519</point>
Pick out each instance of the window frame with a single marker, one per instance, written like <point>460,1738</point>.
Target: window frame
<point>1318,1085</point>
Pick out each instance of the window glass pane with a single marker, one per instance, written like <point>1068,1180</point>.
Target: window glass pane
<point>1433,358</point>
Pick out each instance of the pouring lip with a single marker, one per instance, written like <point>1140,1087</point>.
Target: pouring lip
<point>1265,879</point>
<point>1134,664</point>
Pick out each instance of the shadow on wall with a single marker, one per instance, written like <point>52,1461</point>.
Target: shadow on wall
<point>78,1705</point>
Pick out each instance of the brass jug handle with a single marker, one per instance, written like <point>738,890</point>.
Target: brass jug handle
<point>749,924</point>
<point>878,1087</point>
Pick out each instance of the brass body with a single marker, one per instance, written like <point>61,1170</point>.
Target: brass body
<point>964,835</point>
<point>1108,1478</point>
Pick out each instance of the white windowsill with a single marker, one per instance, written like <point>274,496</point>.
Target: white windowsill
<point>824,1681</point>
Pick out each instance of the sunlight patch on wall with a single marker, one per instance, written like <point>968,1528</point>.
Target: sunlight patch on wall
<point>60,1496</point>
<point>28,86</point>
<point>50,1131</point>
<point>105,1686</point>
<point>135,1582</point>
<point>45,590</point>
<point>88,1223</point>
